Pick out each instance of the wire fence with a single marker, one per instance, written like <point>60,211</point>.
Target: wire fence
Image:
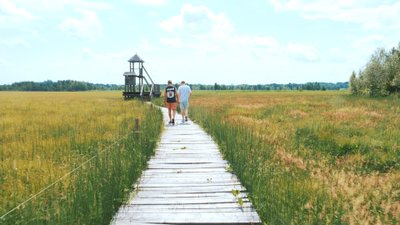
<point>66,175</point>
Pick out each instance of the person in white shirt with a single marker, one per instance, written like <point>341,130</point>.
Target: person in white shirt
<point>184,93</point>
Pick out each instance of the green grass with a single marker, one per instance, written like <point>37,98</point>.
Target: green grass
<point>279,193</point>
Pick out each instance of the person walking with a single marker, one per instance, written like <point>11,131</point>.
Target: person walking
<point>184,93</point>
<point>171,99</point>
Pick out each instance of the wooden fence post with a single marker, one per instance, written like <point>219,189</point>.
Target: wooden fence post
<point>137,128</point>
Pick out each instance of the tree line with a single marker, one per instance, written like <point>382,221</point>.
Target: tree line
<point>381,75</point>
<point>61,85</point>
<point>71,85</point>
<point>315,86</point>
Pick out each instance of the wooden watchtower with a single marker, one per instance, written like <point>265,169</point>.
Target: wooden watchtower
<point>136,83</point>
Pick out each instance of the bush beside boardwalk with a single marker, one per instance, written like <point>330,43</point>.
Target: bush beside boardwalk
<point>310,157</point>
<point>46,135</point>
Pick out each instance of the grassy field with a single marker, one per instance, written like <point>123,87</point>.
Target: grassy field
<point>86,139</point>
<point>310,157</point>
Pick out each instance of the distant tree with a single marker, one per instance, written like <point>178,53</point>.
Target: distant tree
<point>394,70</point>
<point>312,86</point>
<point>217,86</point>
<point>354,86</point>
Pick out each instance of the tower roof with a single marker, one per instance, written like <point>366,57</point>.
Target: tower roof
<point>135,58</point>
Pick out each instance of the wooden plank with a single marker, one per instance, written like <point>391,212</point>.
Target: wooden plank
<point>180,174</point>
<point>188,140</point>
<point>188,137</point>
<point>186,166</point>
<point>186,150</point>
<point>203,147</point>
<point>187,179</point>
<point>182,151</point>
<point>184,133</point>
<point>186,153</point>
<point>191,218</point>
<point>193,181</point>
<point>192,144</point>
<point>187,161</point>
<point>154,194</point>
<point>141,209</point>
<point>246,206</point>
<point>187,170</point>
<point>193,189</point>
<point>217,206</point>
<point>183,200</point>
<point>170,185</point>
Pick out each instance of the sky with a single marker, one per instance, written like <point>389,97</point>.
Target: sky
<point>224,41</point>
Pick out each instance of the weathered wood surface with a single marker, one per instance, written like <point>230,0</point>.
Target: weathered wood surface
<point>187,182</point>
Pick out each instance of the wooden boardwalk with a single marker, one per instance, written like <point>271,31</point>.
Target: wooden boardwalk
<point>187,182</point>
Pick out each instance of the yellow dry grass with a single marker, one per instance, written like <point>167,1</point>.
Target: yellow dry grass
<point>44,135</point>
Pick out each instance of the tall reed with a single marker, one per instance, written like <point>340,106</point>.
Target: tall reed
<point>47,135</point>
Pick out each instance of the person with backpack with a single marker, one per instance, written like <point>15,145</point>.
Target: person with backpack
<point>171,99</point>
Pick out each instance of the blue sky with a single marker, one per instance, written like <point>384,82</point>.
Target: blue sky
<point>228,42</point>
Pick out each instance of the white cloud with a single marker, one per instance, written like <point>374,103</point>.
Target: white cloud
<point>370,14</point>
<point>9,8</point>
<point>209,33</point>
<point>51,5</point>
<point>307,53</point>
<point>151,2</point>
<point>12,15</point>
<point>172,23</point>
<point>199,19</point>
<point>199,29</point>
<point>88,4</point>
<point>87,27</point>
